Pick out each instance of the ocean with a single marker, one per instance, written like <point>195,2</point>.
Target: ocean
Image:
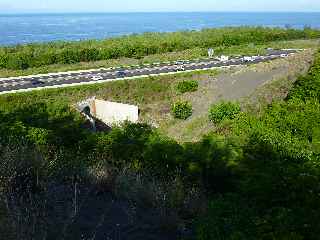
<point>29,28</point>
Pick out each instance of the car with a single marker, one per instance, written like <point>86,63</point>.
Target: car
<point>179,62</point>
<point>248,59</point>
<point>121,73</point>
<point>96,78</point>
<point>180,65</point>
<point>36,82</point>
<point>224,58</point>
<point>180,68</point>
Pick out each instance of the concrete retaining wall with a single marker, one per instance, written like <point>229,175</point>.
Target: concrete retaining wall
<point>114,113</point>
<point>109,112</point>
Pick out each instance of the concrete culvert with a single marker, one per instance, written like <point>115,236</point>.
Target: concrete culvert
<point>110,113</point>
<point>86,111</point>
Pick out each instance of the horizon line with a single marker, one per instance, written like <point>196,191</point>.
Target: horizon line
<point>160,11</point>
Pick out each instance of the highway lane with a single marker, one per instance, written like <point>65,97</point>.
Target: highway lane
<point>68,78</point>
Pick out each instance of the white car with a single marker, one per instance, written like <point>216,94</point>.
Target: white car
<point>96,78</point>
<point>248,59</point>
<point>180,68</point>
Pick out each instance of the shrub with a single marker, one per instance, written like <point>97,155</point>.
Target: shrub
<point>187,86</point>
<point>224,110</point>
<point>182,110</point>
<point>18,61</point>
<point>308,86</point>
<point>228,218</point>
<point>209,160</point>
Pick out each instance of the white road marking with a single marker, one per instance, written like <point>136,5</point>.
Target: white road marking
<point>100,81</point>
<point>85,74</point>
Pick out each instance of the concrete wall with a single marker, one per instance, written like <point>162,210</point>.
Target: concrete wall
<point>114,113</point>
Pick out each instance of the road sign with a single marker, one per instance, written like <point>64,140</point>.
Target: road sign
<point>210,52</point>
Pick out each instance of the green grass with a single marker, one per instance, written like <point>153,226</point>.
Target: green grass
<point>187,86</point>
<point>195,130</point>
<point>137,91</point>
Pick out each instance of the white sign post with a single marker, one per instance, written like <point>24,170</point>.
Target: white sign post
<point>210,52</point>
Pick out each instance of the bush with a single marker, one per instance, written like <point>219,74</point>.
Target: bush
<point>187,86</point>
<point>308,86</point>
<point>18,61</point>
<point>224,110</point>
<point>182,110</point>
<point>227,218</point>
<point>210,160</point>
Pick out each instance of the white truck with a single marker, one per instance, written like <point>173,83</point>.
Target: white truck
<point>224,58</point>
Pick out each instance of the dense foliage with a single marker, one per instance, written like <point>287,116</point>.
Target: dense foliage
<point>182,110</point>
<point>277,195</point>
<point>223,111</point>
<point>307,87</point>
<point>187,86</point>
<point>137,46</point>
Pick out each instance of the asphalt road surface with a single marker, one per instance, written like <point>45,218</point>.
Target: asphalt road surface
<point>14,84</point>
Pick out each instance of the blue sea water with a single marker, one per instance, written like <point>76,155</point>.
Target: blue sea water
<point>27,28</point>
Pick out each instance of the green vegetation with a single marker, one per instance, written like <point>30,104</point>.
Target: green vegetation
<point>277,194</point>
<point>193,53</point>
<point>307,87</point>
<point>137,46</point>
<point>258,180</point>
<point>187,86</point>
<point>223,111</point>
<point>182,110</point>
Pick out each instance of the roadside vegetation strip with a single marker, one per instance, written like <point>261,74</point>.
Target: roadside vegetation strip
<point>138,46</point>
<point>193,53</point>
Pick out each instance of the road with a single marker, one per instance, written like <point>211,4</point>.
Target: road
<point>27,83</point>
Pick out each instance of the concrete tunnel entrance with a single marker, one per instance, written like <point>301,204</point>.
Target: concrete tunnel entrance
<point>110,113</point>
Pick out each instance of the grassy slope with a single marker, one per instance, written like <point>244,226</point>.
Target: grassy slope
<point>155,95</point>
<point>142,92</point>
